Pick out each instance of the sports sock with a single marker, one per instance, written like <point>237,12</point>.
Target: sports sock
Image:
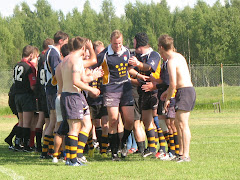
<point>26,137</point>
<point>162,141</point>
<point>32,136</point>
<point>151,140</point>
<point>141,146</point>
<point>90,142</point>
<point>113,138</point>
<point>166,135</point>
<point>73,143</point>
<point>176,143</point>
<point>156,138</point>
<point>82,139</point>
<point>11,135</point>
<point>104,145</point>
<point>172,145</point>
<point>99,135</point>
<point>51,144</point>
<point>46,140</point>
<point>125,135</point>
<point>156,121</point>
<point>67,148</point>
<point>38,138</point>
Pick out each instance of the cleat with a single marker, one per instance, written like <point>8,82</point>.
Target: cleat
<point>27,149</point>
<point>115,157</point>
<point>183,159</point>
<point>55,160</point>
<point>45,157</point>
<point>165,157</point>
<point>130,151</point>
<point>17,148</point>
<point>75,164</point>
<point>124,150</point>
<point>91,153</point>
<point>104,155</point>
<point>82,159</point>
<point>10,147</point>
<point>67,162</point>
<point>147,153</point>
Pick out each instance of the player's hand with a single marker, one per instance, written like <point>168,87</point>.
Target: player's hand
<point>97,73</point>
<point>152,79</point>
<point>166,104</point>
<point>89,44</point>
<point>149,86</point>
<point>163,96</point>
<point>95,92</point>
<point>133,61</point>
<point>143,77</point>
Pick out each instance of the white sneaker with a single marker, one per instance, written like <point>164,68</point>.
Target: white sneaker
<point>55,160</point>
<point>82,159</point>
<point>165,157</point>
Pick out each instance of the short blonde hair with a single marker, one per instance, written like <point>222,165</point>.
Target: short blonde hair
<point>166,42</point>
<point>117,34</point>
<point>97,43</point>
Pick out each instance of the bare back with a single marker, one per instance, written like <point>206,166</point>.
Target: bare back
<point>71,63</point>
<point>180,71</point>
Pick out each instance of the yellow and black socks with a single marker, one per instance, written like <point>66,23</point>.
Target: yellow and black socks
<point>104,144</point>
<point>166,135</point>
<point>156,138</point>
<point>151,140</point>
<point>73,146</point>
<point>176,143</point>
<point>162,141</point>
<point>46,140</point>
<point>67,148</point>
<point>51,144</point>
<point>172,145</point>
<point>90,142</point>
<point>82,139</point>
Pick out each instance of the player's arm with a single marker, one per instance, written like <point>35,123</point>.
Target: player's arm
<point>92,59</point>
<point>77,73</point>
<point>58,75</point>
<point>172,81</point>
<point>134,74</point>
<point>142,66</point>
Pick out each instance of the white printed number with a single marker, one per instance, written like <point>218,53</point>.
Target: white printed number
<point>18,73</point>
<point>42,77</point>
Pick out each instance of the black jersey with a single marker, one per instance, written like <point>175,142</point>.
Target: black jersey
<point>40,84</point>
<point>24,77</point>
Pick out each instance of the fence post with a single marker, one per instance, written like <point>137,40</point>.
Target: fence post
<point>222,83</point>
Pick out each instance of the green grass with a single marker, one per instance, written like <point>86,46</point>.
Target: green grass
<point>214,153</point>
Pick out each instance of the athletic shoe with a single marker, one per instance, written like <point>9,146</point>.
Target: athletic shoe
<point>124,150</point>
<point>95,144</point>
<point>91,153</point>
<point>67,162</point>
<point>27,149</point>
<point>165,157</point>
<point>147,153</point>
<point>17,148</point>
<point>160,154</point>
<point>115,157</point>
<point>183,159</point>
<point>45,157</point>
<point>10,147</point>
<point>171,157</point>
<point>55,160</point>
<point>104,155</point>
<point>130,151</point>
<point>82,159</point>
<point>76,164</point>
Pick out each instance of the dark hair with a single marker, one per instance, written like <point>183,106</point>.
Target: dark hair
<point>47,42</point>
<point>141,39</point>
<point>65,50</point>
<point>27,50</point>
<point>76,43</point>
<point>60,35</point>
<point>166,42</point>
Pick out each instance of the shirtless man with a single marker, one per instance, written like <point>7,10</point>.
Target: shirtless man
<point>180,80</point>
<point>73,103</point>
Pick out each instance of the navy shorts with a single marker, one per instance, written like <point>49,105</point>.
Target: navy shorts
<point>73,106</point>
<point>25,102</point>
<point>171,109</point>
<point>42,105</point>
<point>185,99</point>
<point>117,99</point>
<point>51,101</point>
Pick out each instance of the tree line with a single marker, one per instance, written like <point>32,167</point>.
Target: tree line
<point>203,34</point>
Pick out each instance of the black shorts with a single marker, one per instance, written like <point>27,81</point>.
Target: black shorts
<point>51,101</point>
<point>98,111</point>
<point>12,105</point>
<point>25,102</point>
<point>137,112</point>
<point>149,101</point>
<point>42,105</point>
<point>185,99</point>
<point>171,109</point>
<point>117,99</point>
<point>160,110</point>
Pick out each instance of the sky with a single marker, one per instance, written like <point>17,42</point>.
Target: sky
<point>7,6</point>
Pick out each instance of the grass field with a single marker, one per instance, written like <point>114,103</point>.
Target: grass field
<point>214,150</point>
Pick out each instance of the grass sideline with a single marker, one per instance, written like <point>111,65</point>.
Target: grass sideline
<point>214,153</point>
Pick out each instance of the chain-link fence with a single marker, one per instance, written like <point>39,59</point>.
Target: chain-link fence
<point>202,76</point>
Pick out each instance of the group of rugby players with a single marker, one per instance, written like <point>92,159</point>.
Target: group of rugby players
<point>79,85</point>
